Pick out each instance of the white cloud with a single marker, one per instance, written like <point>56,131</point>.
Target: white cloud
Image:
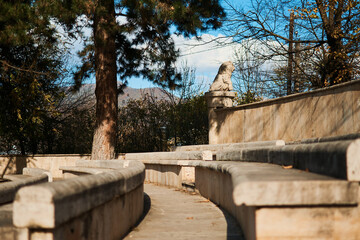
<point>206,55</point>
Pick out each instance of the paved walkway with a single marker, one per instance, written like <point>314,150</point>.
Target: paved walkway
<point>178,215</point>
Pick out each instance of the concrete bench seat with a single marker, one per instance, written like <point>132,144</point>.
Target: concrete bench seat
<point>186,155</point>
<point>268,200</point>
<point>339,159</point>
<point>102,204</point>
<point>220,147</point>
<point>30,177</point>
<point>262,184</point>
<point>69,171</point>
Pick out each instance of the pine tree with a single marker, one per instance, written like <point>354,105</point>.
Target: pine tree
<point>131,38</point>
<point>30,64</point>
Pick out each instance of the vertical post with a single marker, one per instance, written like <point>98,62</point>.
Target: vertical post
<point>216,100</point>
<point>290,53</point>
<point>297,68</point>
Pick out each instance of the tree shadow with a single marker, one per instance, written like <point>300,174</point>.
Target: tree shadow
<point>147,206</point>
<point>234,231</point>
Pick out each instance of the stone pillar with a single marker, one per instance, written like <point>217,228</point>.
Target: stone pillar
<point>217,100</point>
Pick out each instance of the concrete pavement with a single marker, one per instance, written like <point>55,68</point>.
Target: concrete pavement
<point>175,214</point>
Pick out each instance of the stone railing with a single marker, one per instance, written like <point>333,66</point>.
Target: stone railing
<point>101,206</point>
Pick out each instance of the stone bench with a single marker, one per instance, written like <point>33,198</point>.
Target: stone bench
<point>104,205</point>
<point>268,200</point>
<point>186,155</point>
<point>220,147</point>
<point>69,172</point>
<point>340,159</point>
<point>30,176</point>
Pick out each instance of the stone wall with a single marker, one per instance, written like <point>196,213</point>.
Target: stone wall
<point>321,113</point>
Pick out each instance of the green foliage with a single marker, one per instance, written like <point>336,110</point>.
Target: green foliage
<point>30,66</point>
<point>150,124</point>
<point>247,97</point>
<point>144,46</point>
<point>142,124</point>
<point>189,122</point>
<point>74,132</point>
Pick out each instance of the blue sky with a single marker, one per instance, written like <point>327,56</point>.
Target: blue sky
<point>205,58</point>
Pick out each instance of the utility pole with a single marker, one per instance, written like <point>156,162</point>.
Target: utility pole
<point>297,68</point>
<point>290,53</point>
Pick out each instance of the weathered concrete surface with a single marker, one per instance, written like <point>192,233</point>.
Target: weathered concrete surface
<point>260,184</point>
<point>49,205</point>
<point>340,159</point>
<point>7,231</point>
<point>189,155</point>
<point>320,223</point>
<point>9,189</point>
<point>101,206</point>
<point>278,221</point>
<point>257,184</point>
<point>70,172</point>
<point>37,172</point>
<point>326,112</point>
<point>48,162</point>
<point>351,136</point>
<point>178,215</point>
<point>217,100</point>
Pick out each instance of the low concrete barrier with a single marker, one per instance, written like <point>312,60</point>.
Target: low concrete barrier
<point>172,173</point>
<point>101,206</point>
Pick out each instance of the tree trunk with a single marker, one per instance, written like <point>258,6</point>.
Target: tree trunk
<point>106,85</point>
<point>337,64</point>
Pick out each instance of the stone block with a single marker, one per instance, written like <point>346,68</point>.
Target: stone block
<point>188,155</point>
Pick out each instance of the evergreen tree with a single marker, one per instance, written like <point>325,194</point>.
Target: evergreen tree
<point>130,38</point>
<point>30,64</point>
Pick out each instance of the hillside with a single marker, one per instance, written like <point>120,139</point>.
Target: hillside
<point>88,91</point>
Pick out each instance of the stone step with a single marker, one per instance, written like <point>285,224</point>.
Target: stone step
<point>263,184</point>
<point>220,147</point>
<point>339,159</point>
<point>188,155</point>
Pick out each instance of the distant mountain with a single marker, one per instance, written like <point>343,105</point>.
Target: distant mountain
<point>88,90</point>
<point>134,93</point>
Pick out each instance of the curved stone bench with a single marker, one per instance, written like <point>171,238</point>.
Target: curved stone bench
<point>340,159</point>
<point>101,206</point>
<point>32,176</point>
<point>220,147</point>
<point>270,201</point>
